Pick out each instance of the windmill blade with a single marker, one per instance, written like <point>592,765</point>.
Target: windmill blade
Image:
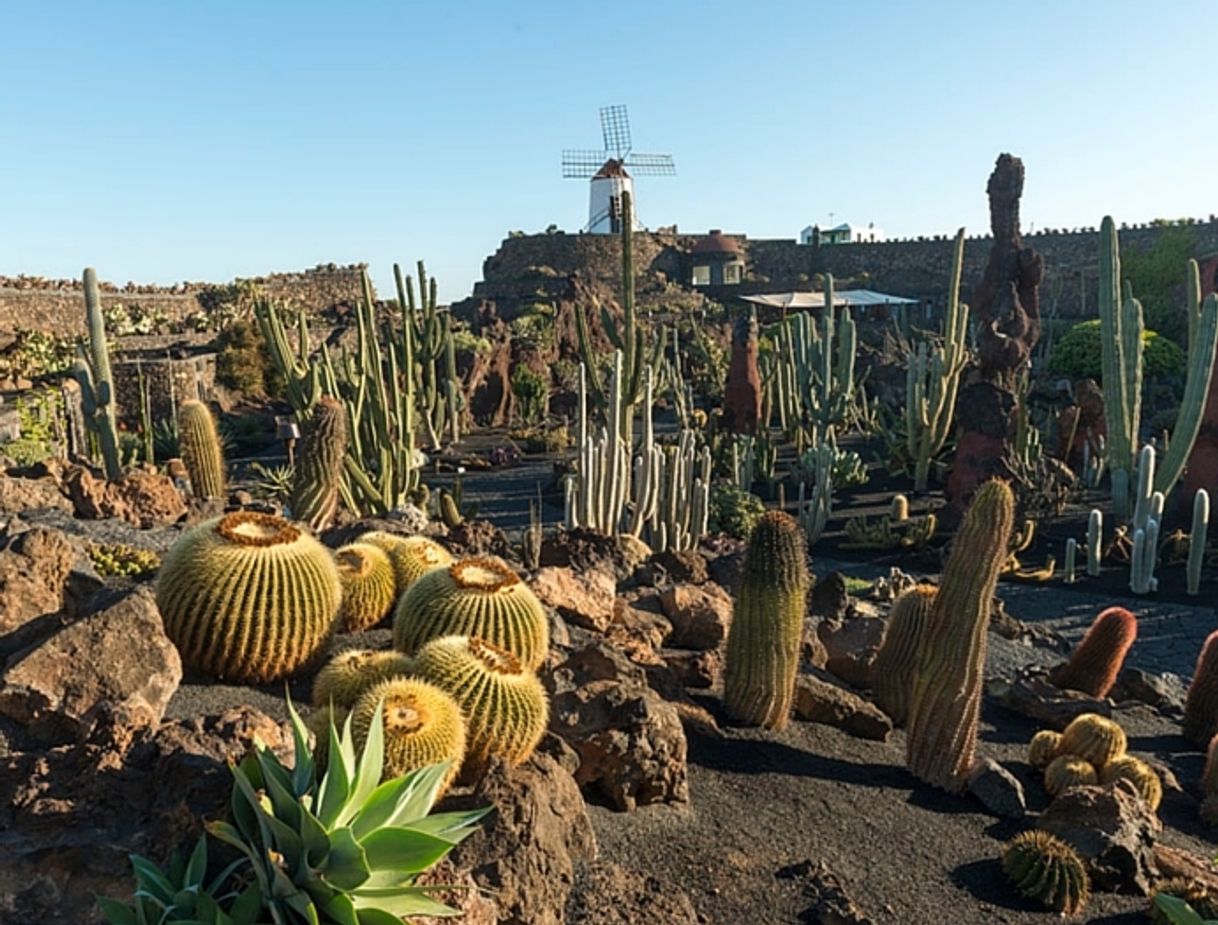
<point>651,165</point>
<point>615,126</point>
<point>582,164</point>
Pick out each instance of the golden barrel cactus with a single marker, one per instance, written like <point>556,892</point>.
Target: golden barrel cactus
<point>1094,738</point>
<point>1066,771</point>
<point>505,706</point>
<point>1143,777</point>
<point>346,676</point>
<point>479,597</point>
<point>1043,748</point>
<point>423,725</point>
<point>248,597</point>
<point>412,556</point>
<point>369,587</point>
<point>1045,868</point>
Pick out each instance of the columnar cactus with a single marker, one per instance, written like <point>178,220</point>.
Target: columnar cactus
<point>412,556</point>
<point>1043,748</point>
<point>346,676</point>
<point>1196,539</point>
<point>1097,660</point>
<point>1071,560</point>
<point>201,450</point>
<point>1095,541</point>
<point>1094,738</point>
<point>1201,704</point>
<point>369,585</point>
<point>1138,773</point>
<point>473,597</point>
<point>92,372</point>
<point>1066,771</point>
<point>248,597</point>
<point>505,706</point>
<point>767,624</point>
<point>896,663</point>
<point>319,465</point>
<point>899,511</point>
<point>1209,784</point>
<point>947,689</point>
<point>1045,868</point>
<point>422,726</point>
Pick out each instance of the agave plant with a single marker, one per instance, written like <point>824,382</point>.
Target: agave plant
<point>345,849</point>
<point>1179,912</point>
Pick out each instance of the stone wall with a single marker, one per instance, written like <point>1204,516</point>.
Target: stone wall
<point>58,306</point>
<point>912,268</point>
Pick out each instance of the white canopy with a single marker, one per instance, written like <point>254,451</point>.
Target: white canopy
<point>854,298</point>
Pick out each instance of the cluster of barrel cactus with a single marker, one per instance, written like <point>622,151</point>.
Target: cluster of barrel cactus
<point>1091,750</point>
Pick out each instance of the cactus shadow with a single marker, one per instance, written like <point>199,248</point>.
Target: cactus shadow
<point>986,883</point>
<point>755,756</point>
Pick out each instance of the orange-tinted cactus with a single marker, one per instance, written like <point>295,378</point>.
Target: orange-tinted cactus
<point>1097,660</point>
<point>1201,705</point>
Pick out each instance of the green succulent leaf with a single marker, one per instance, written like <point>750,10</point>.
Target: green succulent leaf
<point>151,882</point>
<point>402,902</point>
<point>196,867</point>
<point>1178,911</point>
<point>303,770</point>
<point>335,786</point>
<point>403,850</point>
<point>368,769</point>
<point>348,866</point>
<point>117,913</point>
<point>340,910</point>
<point>453,827</point>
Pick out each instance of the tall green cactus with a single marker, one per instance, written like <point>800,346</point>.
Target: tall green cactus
<point>767,624</point>
<point>1121,329</point>
<point>201,450</point>
<point>933,378</point>
<point>947,688</point>
<point>96,383</point>
<point>1202,345</point>
<point>319,465</point>
<point>439,396</point>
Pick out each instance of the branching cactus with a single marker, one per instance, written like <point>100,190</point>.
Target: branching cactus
<point>201,450</point>
<point>767,625</point>
<point>1098,659</point>
<point>1201,704</point>
<point>92,371</point>
<point>947,690</point>
<point>319,467</point>
<point>893,672</point>
<point>933,378</point>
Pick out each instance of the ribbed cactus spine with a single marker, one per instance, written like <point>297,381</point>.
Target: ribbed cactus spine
<point>1201,704</point>
<point>201,452</point>
<point>1196,539</point>
<point>947,691</point>
<point>96,383</point>
<point>932,379</point>
<point>897,661</point>
<point>1202,345</point>
<point>767,624</point>
<point>1097,660</point>
<point>1121,363</point>
<point>319,465</point>
<point>1095,541</point>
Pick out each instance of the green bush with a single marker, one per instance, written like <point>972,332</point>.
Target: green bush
<point>733,511</point>
<point>1077,354</point>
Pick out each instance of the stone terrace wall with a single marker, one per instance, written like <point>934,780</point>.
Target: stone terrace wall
<point>58,306</point>
<point>913,268</point>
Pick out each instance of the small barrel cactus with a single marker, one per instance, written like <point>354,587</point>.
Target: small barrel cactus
<point>201,452</point>
<point>899,511</point>
<point>412,556</point>
<point>1143,777</point>
<point>1066,771</point>
<point>945,706</point>
<point>369,588</point>
<point>1043,748</point>
<point>319,464</point>
<point>1201,704</point>
<point>248,597</point>
<point>423,725</point>
<point>473,597</point>
<point>1097,660</point>
<point>893,671</point>
<point>1094,738</point>
<point>505,706</point>
<point>767,624</point>
<point>1045,868</point>
<point>346,676</point>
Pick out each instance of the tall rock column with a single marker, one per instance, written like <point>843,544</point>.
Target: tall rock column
<point>1006,304</point>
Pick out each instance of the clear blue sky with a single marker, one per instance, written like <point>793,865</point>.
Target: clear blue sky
<point>171,140</point>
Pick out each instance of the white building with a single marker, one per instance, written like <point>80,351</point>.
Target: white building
<point>605,199</point>
<point>845,233</point>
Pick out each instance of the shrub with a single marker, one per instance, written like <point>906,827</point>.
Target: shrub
<point>733,511</point>
<point>1078,354</point>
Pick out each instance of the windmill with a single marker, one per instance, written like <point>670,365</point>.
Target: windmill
<point>607,170</point>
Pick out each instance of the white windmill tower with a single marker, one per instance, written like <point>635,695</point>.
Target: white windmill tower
<point>608,172</point>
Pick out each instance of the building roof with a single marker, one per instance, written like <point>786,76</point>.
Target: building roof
<point>717,243</point>
<point>611,168</point>
<point>852,298</point>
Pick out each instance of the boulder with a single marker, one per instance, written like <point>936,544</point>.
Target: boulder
<point>478,538</point>
<point>116,666</point>
<point>687,566</point>
<point>18,495</point>
<point>700,615</point>
<point>143,499</point>
<point>583,597</point>
<point>1113,830</point>
<point>631,553</point>
<point>829,598</point>
<point>1030,694</point>
<point>693,668</point>
<point>998,789</point>
<point>526,851</point>
<point>649,628</point>
<point>34,569</point>
<point>820,701</point>
<point>1165,692</point>
<point>851,645</point>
